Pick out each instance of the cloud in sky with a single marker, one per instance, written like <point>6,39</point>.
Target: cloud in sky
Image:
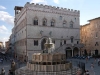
<point>4,39</point>
<point>56,1</point>
<point>4,30</point>
<point>2,7</point>
<point>4,33</point>
<point>6,17</point>
<point>39,1</point>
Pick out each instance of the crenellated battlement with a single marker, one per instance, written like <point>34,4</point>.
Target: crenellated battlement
<point>52,7</point>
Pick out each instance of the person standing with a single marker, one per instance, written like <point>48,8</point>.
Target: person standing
<point>98,61</point>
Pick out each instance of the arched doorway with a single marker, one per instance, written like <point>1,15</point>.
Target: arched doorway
<point>42,43</point>
<point>96,52</point>
<point>68,52</point>
<point>75,51</point>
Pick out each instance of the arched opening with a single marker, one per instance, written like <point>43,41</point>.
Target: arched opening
<point>96,52</point>
<point>64,23</point>
<point>42,43</point>
<point>71,24</point>
<point>35,21</point>
<point>75,51</point>
<point>44,22</point>
<point>52,22</point>
<point>68,52</point>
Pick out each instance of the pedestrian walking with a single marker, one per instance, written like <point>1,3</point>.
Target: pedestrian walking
<point>86,59</point>
<point>95,60</point>
<point>2,71</point>
<point>6,59</point>
<point>92,66</point>
<point>79,72</point>
<point>98,61</point>
<point>10,72</point>
<point>87,72</point>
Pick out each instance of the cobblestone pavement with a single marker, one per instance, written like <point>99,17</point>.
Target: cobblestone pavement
<point>96,70</point>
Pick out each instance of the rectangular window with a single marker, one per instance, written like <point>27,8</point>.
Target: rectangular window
<point>61,43</point>
<point>77,42</point>
<point>35,42</point>
<point>96,34</point>
<point>64,41</point>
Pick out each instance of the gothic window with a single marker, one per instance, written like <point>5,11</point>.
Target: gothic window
<point>35,21</point>
<point>72,39</point>
<point>52,22</point>
<point>44,22</point>
<point>64,23</point>
<point>71,24</point>
<point>35,42</point>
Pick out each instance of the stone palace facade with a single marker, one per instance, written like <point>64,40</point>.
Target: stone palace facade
<point>35,22</point>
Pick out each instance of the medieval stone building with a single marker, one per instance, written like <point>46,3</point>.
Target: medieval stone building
<point>34,23</point>
<point>90,36</point>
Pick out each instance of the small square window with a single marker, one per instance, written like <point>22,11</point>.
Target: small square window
<point>35,42</point>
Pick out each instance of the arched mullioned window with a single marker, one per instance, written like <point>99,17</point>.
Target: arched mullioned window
<point>71,24</point>
<point>44,22</point>
<point>72,39</point>
<point>52,22</point>
<point>64,23</point>
<point>35,21</point>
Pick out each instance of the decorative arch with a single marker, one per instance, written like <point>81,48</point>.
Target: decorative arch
<point>75,51</point>
<point>44,22</point>
<point>52,22</point>
<point>35,21</point>
<point>96,52</point>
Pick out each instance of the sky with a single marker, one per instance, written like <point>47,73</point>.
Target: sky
<point>89,9</point>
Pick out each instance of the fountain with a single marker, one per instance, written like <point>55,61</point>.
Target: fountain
<point>49,46</point>
<point>47,63</point>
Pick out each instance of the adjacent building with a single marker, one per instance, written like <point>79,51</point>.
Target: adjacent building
<point>34,23</point>
<point>90,36</point>
<point>7,45</point>
<point>1,45</point>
